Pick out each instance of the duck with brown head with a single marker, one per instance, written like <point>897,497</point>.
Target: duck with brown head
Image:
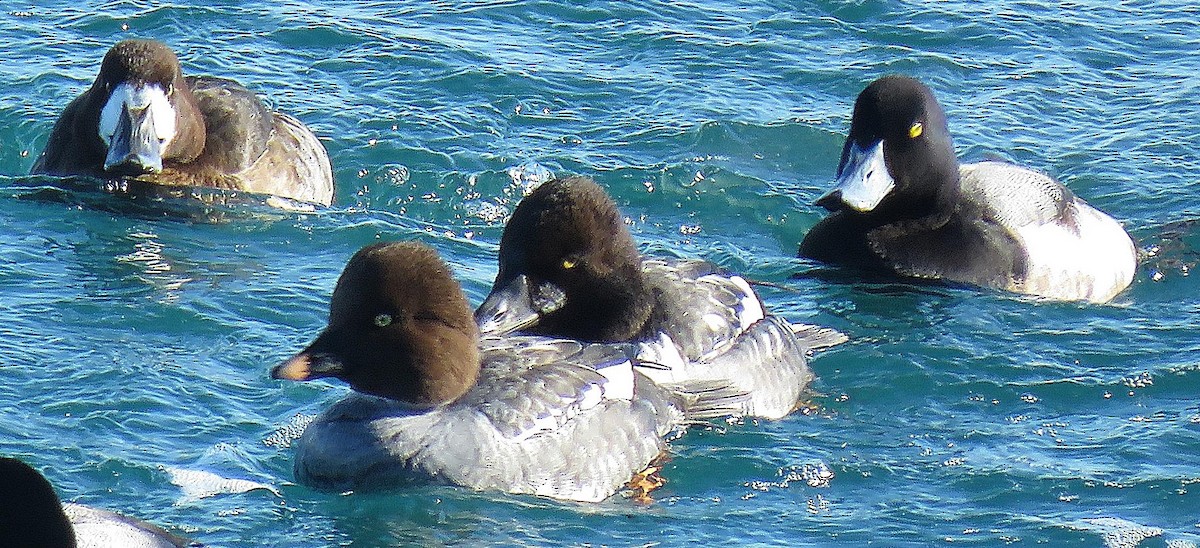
<point>569,268</point>
<point>435,403</point>
<point>142,119</point>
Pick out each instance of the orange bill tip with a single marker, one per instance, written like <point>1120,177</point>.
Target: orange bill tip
<point>297,368</point>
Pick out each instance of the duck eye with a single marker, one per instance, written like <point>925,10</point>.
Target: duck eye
<point>916,130</point>
<point>383,320</point>
<point>568,264</point>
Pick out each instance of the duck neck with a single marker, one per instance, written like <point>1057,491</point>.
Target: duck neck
<point>930,194</point>
<point>191,129</point>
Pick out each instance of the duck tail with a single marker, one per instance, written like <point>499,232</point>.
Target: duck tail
<point>815,337</point>
<point>710,399</point>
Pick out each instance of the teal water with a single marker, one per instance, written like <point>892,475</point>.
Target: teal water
<point>135,342</point>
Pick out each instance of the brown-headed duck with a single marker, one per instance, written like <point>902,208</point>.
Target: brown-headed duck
<point>143,119</point>
<point>434,402</point>
<point>569,268</point>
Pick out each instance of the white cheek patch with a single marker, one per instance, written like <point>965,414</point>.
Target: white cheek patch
<point>134,98</point>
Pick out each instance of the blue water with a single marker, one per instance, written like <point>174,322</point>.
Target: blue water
<point>135,342</point>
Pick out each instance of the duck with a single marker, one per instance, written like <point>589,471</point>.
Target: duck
<point>569,267</point>
<point>434,402</point>
<point>142,120</point>
<point>903,205</point>
<point>31,515</point>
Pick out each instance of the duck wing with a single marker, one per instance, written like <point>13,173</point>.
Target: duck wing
<point>547,417</point>
<point>699,306</point>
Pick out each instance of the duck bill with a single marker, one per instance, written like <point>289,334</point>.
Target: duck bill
<point>134,148</point>
<point>863,180</point>
<point>507,309</point>
<point>309,364</point>
<point>136,123</point>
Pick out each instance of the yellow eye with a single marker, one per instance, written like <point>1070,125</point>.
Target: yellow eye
<point>383,320</point>
<point>568,264</point>
<point>916,130</point>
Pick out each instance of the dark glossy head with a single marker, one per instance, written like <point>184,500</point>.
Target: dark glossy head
<point>568,268</point>
<point>145,112</point>
<point>30,512</point>
<point>898,161</point>
<point>399,327</point>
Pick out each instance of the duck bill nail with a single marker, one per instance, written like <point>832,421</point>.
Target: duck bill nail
<point>863,180</point>
<point>507,309</point>
<point>134,148</point>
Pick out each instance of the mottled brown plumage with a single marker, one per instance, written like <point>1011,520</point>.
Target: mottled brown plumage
<point>224,137</point>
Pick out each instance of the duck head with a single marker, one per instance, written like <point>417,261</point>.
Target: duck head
<point>898,161</point>
<point>568,268</point>
<point>399,328</point>
<point>147,114</point>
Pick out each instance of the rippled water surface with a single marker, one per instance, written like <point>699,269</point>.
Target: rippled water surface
<point>135,339</point>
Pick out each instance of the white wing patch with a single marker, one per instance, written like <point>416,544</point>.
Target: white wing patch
<point>665,362</point>
<point>556,417</point>
<point>752,307</point>
<point>619,385</point>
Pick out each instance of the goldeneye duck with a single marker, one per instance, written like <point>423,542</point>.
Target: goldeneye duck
<point>569,268</point>
<point>143,119</point>
<point>435,403</point>
<point>32,516</point>
<point>904,205</point>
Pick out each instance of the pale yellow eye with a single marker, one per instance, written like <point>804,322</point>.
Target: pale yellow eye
<point>916,130</point>
<point>568,264</point>
<point>383,320</point>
